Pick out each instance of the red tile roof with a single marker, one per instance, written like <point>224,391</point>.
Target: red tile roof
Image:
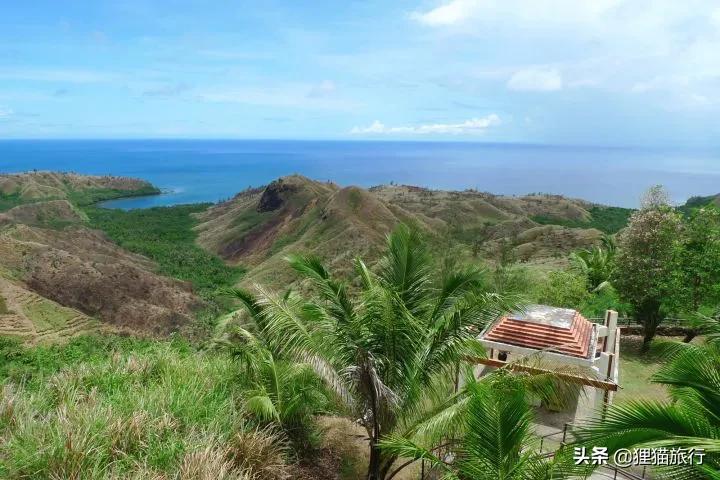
<point>545,328</point>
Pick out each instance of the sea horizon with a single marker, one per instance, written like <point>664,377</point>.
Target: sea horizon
<point>211,170</point>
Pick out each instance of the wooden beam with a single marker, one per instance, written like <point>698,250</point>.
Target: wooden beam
<point>540,371</point>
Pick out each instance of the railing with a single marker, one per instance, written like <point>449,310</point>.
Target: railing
<point>630,322</point>
<point>607,470</point>
<point>564,432</point>
<point>623,472</point>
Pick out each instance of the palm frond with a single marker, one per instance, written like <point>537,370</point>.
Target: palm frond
<point>405,269</point>
<point>695,369</point>
<point>248,300</point>
<point>404,448</point>
<point>642,422</point>
<point>332,291</point>
<point>262,407</point>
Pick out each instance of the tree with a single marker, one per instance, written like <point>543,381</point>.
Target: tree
<point>563,289</point>
<point>655,197</point>
<point>690,420</point>
<point>646,271</point>
<point>698,257</point>
<point>276,390</point>
<point>390,351</point>
<point>495,441</point>
<point>596,264</point>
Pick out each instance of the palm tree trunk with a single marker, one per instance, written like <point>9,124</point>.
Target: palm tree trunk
<point>374,472</point>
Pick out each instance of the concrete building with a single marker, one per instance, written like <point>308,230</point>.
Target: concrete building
<point>541,338</point>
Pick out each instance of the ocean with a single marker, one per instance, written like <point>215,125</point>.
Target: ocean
<point>192,171</point>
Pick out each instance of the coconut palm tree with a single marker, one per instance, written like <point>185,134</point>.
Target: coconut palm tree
<point>690,420</point>
<point>391,348</point>
<point>495,439</point>
<point>276,390</point>
<point>596,264</point>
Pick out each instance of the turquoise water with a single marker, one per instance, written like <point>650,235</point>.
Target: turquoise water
<point>210,170</point>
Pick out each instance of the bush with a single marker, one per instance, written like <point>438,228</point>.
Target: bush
<point>606,299</point>
<point>563,289</point>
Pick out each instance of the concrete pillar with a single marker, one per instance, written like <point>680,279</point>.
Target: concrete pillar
<point>611,317</point>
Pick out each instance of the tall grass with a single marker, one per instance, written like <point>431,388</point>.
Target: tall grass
<point>155,411</point>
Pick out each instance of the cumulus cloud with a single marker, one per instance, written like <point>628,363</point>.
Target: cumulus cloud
<point>536,79</point>
<point>472,126</point>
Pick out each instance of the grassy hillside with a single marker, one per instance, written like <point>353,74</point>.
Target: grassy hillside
<point>116,408</point>
<point>259,227</point>
<point>51,259</point>
<point>18,189</point>
<point>108,407</point>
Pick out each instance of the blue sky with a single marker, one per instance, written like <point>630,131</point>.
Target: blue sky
<point>547,71</point>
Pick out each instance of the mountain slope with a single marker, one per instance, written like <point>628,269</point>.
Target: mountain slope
<point>49,257</point>
<point>32,317</point>
<point>295,214</point>
<point>20,188</point>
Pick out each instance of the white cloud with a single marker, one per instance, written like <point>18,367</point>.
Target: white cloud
<point>472,126</point>
<point>616,45</point>
<point>5,112</point>
<point>536,79</point>
<point>449,13</point>
<point>456,12</point>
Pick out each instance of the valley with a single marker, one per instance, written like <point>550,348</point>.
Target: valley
<point>155,271</point>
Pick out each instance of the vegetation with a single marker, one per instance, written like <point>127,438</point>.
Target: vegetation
<point>690,420</point>
<point>387,350</point>
<point>165,235</point>
<point>668,263</point>
<point>637,369</point>
<point>606,219</point>
<point>8,201</point>
<point>495,436</point>
<point>596,264</point>
<point>698,259</point>
<point>564,289</point>
<point>390,352</point>
<point>90,196</point>
<point>645,275</point>
<point>276,390</point>
<point>80,197</point>
<point>699,202</point>
<point>108,407</point>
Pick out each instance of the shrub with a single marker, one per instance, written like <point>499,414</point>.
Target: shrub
<point>564,289</point>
